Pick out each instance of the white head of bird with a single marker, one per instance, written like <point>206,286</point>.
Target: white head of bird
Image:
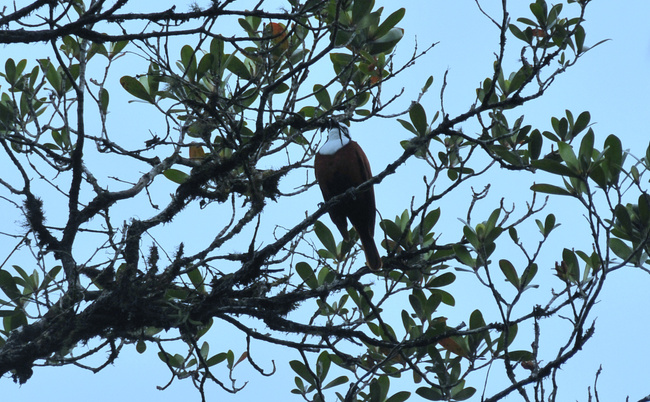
<point>338,136</point>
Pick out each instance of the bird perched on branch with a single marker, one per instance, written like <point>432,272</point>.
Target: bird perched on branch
<point>341,164</point>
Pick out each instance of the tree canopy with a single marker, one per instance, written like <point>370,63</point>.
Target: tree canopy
<point>164,239</point>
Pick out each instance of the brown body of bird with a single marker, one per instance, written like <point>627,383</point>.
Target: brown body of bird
<point>341,164</point>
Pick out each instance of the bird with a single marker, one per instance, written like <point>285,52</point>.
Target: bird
<point>341,164</point>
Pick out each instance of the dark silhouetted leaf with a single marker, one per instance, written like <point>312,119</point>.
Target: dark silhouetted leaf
<point>549,189</point>
<point>307,274</point>
<point>551,166</point>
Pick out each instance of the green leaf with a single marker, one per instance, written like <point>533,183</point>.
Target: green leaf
<point>10,71</point>
<point>622,250</point>
<point>281,88</point>
<point>49,277</point>
<point>249,96</point>
<point>442,280</point>
<point>399,397</point>
<point>614,155</point>
<point>141,346</point>
<point>508,155</point>
<point>360,9</point>
<point>216,359</point>
<point>426,86</point>
<point>217,49</point>
<point>205,65</point>
<point>644,208</point>
<point>513,234</point>
<point>412,129</point>
<point>237,67</point>
<point>325,236</point>
<point>54,78</point>
<point>418,118</point>
<point>510,273</point>
<point>323,97</point>
<point>528,275</point>
<point>463,255</point>
<point>560,126</point>
<point>323,365</point>
<point>103,100</point>
<point>27,281</point>
<point>535,144</point>
<point>307,274</point>
<point>135,88</point>
<point>340,61</point>
<point>246,25</point>
<point>188,59</point>
<point>569,257</point>
<point>416,303</point>
<point>520,78</point>
<point>492,220</point>
<point>117,47</point>
<point>299,368</point>
<point>430,220</point>
<point>551,166</point>
<point>205,349</point>
<point>580,39</point>
<point>8,286</point>
<point>464,394</point>
<point>586,149</point>
<point>525,35</point>
<point>622,217</point>
<point>391,229</point>
<point>430,394</point>
<point>325,275</point>
<point>548,225</point>
<point>387,42</point>
<point>476,320</point>
<point>539,11</point>
<point>14,321</point>
<point>176,175</point>
<point>337,381</point>
<point>581,123</point>
<point>512,334</point>
<point>566,152</point>
<point>97,48</point>
<point>549,189</point>
<point>389,23</point>
<point>197,279</point>
<point>520,355</point>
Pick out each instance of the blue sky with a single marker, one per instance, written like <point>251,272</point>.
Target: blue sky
<point>611,81</point>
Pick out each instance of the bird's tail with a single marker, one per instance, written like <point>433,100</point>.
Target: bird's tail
<point>373,261</point>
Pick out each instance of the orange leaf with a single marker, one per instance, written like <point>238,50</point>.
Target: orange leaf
<point>243,356</point>
<point>196,152</point>
<point>279,35</point>
<point>540,33</point>
<point>452,346</point>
